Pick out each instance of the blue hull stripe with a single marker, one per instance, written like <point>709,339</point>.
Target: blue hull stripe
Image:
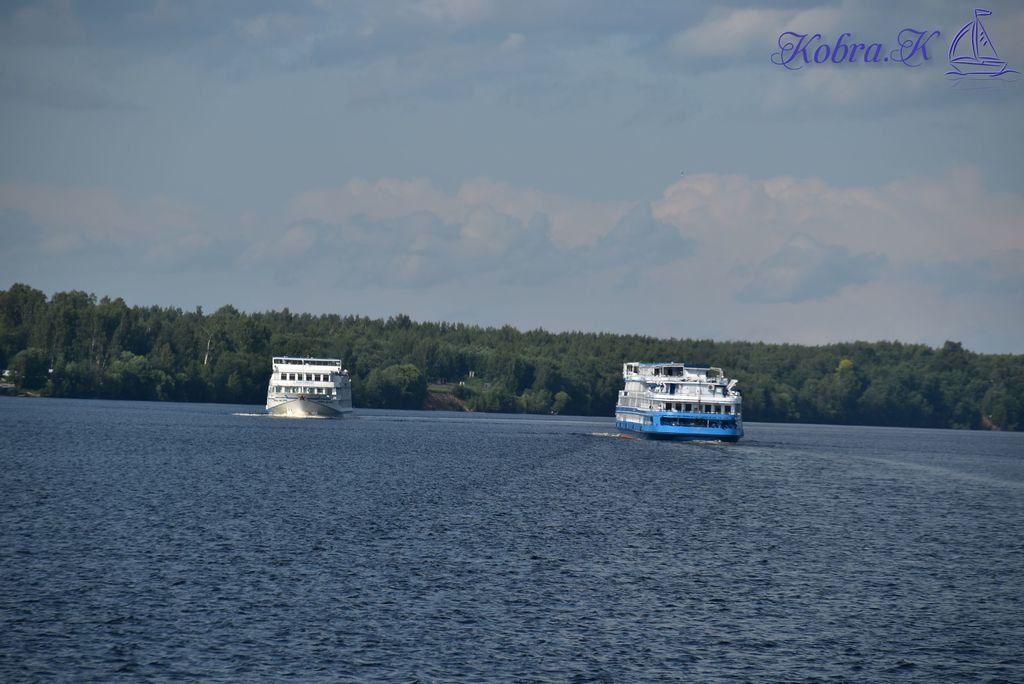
<point>680,432</point>
<point>730,429</point>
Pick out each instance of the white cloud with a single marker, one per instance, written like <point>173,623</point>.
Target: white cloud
<point>513,41</point>
<point>740,32</point>
<point>804,269</point>
<point>266,26</point>
<point>745,227</point>
<point>939,218</point>
<point>66,220</point>
<point>92,212</point>
<point>456,12</point>
<point>573,221</point>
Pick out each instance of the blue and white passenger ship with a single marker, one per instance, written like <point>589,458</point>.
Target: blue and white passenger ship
<point>302,387</point>
<point>676,401</point>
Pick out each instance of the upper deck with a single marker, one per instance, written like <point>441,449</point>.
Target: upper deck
<point>305,363</point>
<point>671,371</point>
<point>310,376</point>
<point>678,388</point>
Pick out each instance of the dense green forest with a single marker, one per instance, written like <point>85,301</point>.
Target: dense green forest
<point>73,345</point>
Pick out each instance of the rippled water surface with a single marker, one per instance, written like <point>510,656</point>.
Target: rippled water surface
<point>171,541</point>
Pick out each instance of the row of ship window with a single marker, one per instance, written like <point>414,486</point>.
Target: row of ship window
<point>695,422</point>
<point>688,389</point>
<point>707,408</point>
<point>711,390</point>
<point>307,377</point>
<point>278,389</point>
<point>637,402</point>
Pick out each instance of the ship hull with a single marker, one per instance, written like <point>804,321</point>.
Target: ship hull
<point>304,408</point>
<point>678,426</point>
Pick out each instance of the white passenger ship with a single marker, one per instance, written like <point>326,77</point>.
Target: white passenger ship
<point>676,401</point>
<point>302,387</point>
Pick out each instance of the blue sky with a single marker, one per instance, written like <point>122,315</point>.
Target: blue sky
<point>635,167</point>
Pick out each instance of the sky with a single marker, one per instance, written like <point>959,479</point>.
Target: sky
<point>639,166</point>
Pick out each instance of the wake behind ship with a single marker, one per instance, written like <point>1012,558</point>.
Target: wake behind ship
<point>676,401</point>
<point>303,387</point>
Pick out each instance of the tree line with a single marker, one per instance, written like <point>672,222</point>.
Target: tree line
<point>75,345</point>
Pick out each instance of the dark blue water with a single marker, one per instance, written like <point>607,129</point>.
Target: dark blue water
<point>169,541</point>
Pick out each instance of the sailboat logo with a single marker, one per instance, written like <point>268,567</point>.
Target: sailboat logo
<point>972,53</point>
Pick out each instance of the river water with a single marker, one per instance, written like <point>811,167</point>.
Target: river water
<point>201,542</point>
